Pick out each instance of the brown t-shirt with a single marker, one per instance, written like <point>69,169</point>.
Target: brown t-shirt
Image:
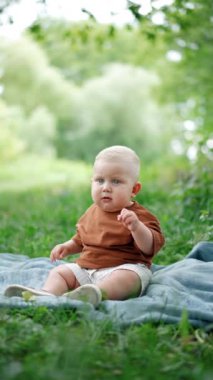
<point>106,242</point>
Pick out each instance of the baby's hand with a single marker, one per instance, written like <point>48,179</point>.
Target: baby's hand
<point>129,219</point>
<point>59,252</point>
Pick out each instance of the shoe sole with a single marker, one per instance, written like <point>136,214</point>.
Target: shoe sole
<point>86,293</point>
<point>18,290</point>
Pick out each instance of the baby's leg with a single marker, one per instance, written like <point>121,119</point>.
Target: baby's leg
<point>120,285</point>
<point>60,280</point>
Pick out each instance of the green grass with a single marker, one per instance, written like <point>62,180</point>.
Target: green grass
<point>45,345</point>
<point>31,172</point>
<point>41,344</point>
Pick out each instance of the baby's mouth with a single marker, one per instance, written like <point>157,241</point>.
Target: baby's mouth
<point>106,198</point>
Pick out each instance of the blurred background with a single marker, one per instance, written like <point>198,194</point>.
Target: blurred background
<point>77,76</point>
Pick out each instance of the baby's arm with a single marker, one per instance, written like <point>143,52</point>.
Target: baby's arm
<point>141,234</point>
<point>60,251</point>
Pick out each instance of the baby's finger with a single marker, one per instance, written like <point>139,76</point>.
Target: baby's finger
<point>52,256</point>
<point>126,217</point>
<point>119,217</point>
<point>123,211</point>
<point>55,253</point>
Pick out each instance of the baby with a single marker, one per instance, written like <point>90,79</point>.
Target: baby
<point>116,238</point>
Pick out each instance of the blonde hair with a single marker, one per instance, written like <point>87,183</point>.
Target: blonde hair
<point>122,154</point>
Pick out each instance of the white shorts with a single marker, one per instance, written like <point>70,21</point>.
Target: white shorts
<point>92,276</point>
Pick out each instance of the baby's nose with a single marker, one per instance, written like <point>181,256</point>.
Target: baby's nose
<point>106,186</point>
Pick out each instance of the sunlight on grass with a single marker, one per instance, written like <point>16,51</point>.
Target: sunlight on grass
<point>34,172</point>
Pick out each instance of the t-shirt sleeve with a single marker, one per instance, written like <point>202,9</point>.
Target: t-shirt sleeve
<point>77,239</point>
<point>158,238</point>
<point>151,222</point>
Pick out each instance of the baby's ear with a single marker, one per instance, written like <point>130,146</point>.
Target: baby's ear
<point>136,188</point>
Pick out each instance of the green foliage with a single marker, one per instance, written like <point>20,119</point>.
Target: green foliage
<point>81,50</point>
<point>192,202</point>
<point>118,108</point>
<point>29,81</point>
<point>37,98</point>
<point>186,83</point>
<point>78,52</point>
<point>11,120</point>
<point>40,132</point>
<point>188,30</point>
<point>194,192</point>
<point>85,118</point>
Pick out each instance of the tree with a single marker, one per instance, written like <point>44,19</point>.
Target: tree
<point>38,93</point>
<point>29,80</point>
<point>118,108</point>
<point>11,143</point>
<point>78,53</point>
<point>81,50</point>
<point>187,30</point>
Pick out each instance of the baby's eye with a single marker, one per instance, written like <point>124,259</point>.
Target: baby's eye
<point>99,180</point>
<point>115,181</point>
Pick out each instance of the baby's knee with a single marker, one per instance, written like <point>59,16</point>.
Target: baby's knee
<point>57,270</point>
<point>63,272</point>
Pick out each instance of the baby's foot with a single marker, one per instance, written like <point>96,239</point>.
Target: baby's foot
<point>87,293</point>
<point>24,291</point>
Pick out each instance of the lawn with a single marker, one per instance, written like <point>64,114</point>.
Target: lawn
<point>39,210</point>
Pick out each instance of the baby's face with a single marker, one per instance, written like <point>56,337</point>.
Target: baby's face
<point>112,185</point>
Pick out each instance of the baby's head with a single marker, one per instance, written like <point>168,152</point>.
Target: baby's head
<point>115,178</point>
<point>122,155</point>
